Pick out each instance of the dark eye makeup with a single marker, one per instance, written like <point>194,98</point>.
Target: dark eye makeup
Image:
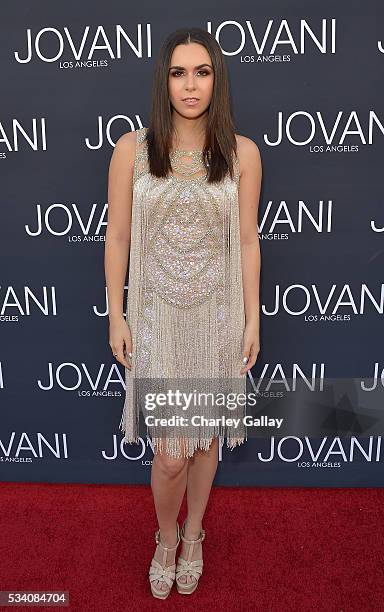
<point>176,72</point>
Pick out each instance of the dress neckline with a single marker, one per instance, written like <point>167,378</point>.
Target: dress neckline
<point>186,152</point>
<point>185,170</point>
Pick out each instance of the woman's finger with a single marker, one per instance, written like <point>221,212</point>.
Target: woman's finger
<point>253,356</point>
<point>124,360</point>
<point>127,358</point>
<point>246,355</point>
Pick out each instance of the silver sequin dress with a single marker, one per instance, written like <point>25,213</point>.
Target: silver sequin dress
<point>185,304</point>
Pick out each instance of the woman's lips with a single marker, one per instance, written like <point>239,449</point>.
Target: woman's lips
<point>191,101</point>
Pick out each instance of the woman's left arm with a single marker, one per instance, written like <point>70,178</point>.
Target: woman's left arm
<point>249,195</point>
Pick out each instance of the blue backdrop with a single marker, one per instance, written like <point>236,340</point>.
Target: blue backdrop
<point>306,85</point>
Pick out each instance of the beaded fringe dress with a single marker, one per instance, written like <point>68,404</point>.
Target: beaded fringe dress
<point>185,307</point>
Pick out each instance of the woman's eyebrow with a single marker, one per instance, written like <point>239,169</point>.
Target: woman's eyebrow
<point>199,66</point>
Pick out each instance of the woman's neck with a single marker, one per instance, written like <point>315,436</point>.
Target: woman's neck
<point>188,135</point>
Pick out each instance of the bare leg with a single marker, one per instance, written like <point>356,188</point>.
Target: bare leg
<point>201,472</point>
<point>168,483</point>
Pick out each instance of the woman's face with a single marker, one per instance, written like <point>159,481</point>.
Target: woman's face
<point>190,76</point>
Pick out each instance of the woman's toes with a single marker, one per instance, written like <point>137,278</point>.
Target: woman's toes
<point>160,584</point>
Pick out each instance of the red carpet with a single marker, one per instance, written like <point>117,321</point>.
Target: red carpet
<point>266,549</point>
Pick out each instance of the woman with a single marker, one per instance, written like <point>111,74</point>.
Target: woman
<point>183,199</point>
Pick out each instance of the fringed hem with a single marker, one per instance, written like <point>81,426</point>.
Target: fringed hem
<point>231,444</point>
<point>126,440</point>
<point>175,447</point>
<point>129,438</point>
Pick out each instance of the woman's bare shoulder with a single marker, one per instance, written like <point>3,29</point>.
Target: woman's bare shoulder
<point>127,142</point>
<point>125,150</point>
<point>246,146</point>
<point>248,154</point>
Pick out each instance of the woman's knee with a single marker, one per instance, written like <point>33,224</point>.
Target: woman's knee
<point>171,466</point>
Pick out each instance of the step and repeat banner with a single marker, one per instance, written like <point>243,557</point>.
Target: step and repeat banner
<point>307,87</point>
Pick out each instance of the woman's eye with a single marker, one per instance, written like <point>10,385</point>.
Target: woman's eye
<point>177,72</point>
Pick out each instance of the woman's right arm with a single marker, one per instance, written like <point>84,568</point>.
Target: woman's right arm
<point>117,243</point>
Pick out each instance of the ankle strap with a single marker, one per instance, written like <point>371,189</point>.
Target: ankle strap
<point>157,538</point>
<point>199,539</point>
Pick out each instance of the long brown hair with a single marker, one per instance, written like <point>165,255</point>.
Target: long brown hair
<point>220,140</point>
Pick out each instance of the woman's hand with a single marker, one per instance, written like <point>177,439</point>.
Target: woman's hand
<point>251,346</point>
<point>120,341</point>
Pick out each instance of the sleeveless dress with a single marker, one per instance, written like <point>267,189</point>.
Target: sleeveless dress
<point>185,306</point>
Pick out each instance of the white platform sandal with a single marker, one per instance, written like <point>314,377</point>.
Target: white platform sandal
<point>186,567</point>
<point>160,571</point>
